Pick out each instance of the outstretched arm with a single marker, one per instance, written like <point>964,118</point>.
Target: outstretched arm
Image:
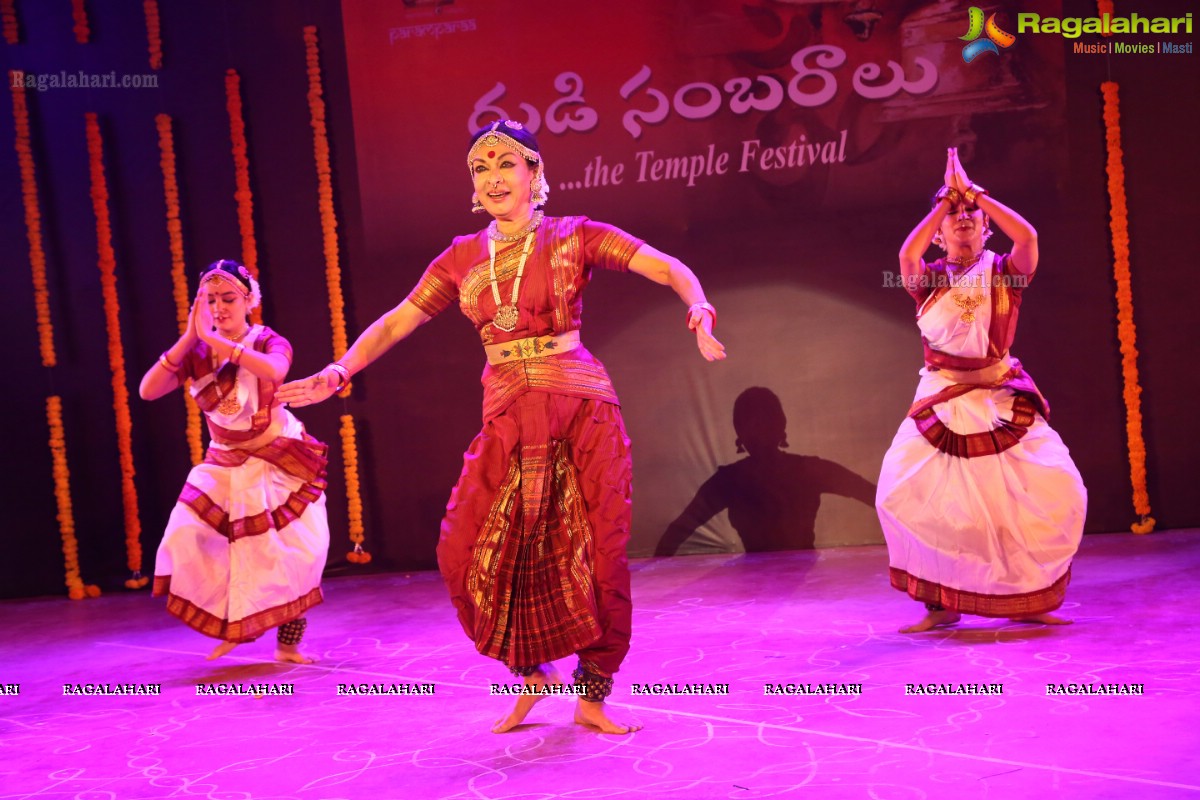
<point>377,339</point>
<point>707,503</point>
<point>670,271</point>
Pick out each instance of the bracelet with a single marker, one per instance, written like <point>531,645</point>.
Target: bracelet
<point>343,376</point>
<point>167,365</point>
<point>701,306</point>
<point>948,193</point>
<point>970,194</point>
<point>235,357</point>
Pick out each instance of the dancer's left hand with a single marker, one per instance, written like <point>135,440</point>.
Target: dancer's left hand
<point>307,391</point>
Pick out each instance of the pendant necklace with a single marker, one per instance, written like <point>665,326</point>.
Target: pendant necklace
<point>228,403</point>
<point>967,302</point>
<point>507,315</point>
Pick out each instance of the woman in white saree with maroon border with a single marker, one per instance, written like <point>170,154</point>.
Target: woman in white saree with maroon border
<point>981,506</point>
<point>246,543</point>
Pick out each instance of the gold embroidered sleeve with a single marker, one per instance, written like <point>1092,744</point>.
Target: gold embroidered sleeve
<point>272,343</point>
<point>613,247</point>
<point>1014,277</point>
<point>434,292</point>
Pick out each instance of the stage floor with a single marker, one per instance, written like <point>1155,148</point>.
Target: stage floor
<point>812,617</point>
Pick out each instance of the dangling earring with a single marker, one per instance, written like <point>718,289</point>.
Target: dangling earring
<point>476,206</point>
<point>783,443</point>
<point>740,447</point>
<point>939,241</point>
<point>539,190</point>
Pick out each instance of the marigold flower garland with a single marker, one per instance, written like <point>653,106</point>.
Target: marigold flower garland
<point>116,354</point>
<point>241,164</point>
<point>333,274</point>
<point>8,15</point>
<point>153,33</point>
<point>1126,331</point>
<point>82,31</point>
<point>333,281</point>
<point>1104,7</point>
<point>76,588</point>
<point>353,498</point>
<point>33,224</point>
<point>166,146</point>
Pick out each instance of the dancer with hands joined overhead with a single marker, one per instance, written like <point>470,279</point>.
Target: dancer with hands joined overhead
<point>980,503</point>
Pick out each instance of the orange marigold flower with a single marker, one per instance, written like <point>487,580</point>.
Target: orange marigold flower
<point>153,33</point>
<point>116,354</point>
<point>241,164</point>
<point>1126,330</point>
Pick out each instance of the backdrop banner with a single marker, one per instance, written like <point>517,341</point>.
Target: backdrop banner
<point>782,148</point>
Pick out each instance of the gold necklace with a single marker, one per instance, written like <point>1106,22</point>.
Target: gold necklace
<point>228,403</point>
<point>968,304</point>
<point>495,235</point>
<point>507,315</point>
<point>965,264</point>
<point>965,261</point>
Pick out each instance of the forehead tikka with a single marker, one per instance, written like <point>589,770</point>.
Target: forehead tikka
<point>494,139</point>
<point>220,275</point>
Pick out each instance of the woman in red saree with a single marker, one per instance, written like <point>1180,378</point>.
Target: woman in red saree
<point>980,503</point>
<point>532,546</point>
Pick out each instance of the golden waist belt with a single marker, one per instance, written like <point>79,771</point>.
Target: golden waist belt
<point>979,377</point>
<point>531,347</point>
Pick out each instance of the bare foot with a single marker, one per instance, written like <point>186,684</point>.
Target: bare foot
<point>934,619</point>
<point>222,649</point>
<point>1045,619</point>
<point>546,675</point>
<point>592,714</point>
<point>290,653</point>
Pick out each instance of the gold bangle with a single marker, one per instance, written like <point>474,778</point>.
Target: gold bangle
<point>948,193</point>
<point>970,194</point>
<point>235,357</point>
<point>167,365</point>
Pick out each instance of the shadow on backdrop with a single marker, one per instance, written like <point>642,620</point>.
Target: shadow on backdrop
<point>772,496</point>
